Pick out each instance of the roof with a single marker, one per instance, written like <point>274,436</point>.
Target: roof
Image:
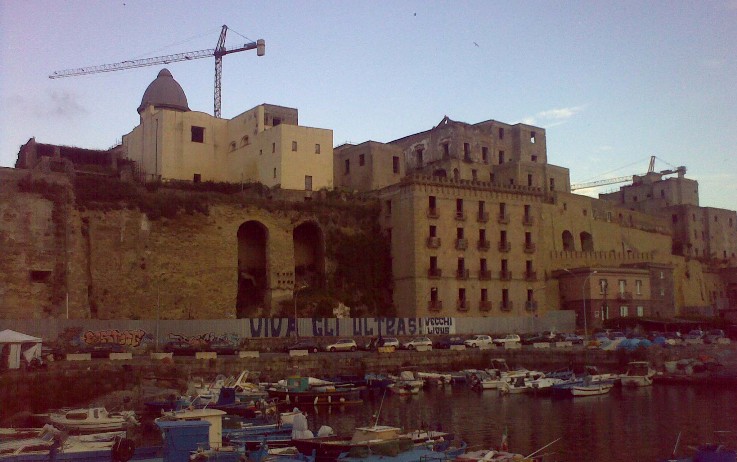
<point>164,93</point>
<point>11,336</point>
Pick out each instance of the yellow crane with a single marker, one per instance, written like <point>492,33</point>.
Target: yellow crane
<point>624,179</point>
<point>218,52</point>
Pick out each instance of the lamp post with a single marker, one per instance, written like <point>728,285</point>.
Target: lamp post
<point>585,316</point>
<point>296,291</point>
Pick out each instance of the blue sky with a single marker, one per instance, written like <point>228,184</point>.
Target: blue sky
<point>611,82</point>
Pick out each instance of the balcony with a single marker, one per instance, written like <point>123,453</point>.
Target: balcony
<point>531,305</point>
<point>434,273</point>
<point>505,275</point>
<point>461,244</point>
<point>506,305</point>
<point>624,296</point>
<point>435,305</point>
<point>530,247</point>
<point>432,212</point>
<point>462,273</point>
<point>530,275</point>
<point>462,305</point>
<point>505,246</point>
<point>483,245</point>
<point>503,218</point>
<point>482,217</point>
<point>485,305</point>
<point>460,215</point>
<point>484,275</point>
<point>433,242</point>
<point>528,220</point>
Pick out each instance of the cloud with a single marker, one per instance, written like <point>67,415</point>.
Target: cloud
<point>55,104</point>
<point>553,117</point>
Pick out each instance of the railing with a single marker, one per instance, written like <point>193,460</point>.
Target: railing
<point>503,218</point>
<point>460,215</point>
<point>484,275</point>
<point>528,220</point>
<point>505,275</point>
<point>433,242</point>
<point>505,246</point>
<point>483,245</point>
<point>485,305</point>
<point>530,247</point>
<point>530,275</point>
<point>435,305</point>
<point>432,212</point>
<point>462,305</point>
<point>482,217</point>
<point>506,306</point>
<point>531,305</point>
<point>434,273</point>
<point>461,244</point>
<point>462,273</point>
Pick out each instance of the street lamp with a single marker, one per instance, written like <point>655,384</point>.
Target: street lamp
<point>296,291</point>
<point>585,316</point>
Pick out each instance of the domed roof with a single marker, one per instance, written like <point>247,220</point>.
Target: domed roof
<point>164,92</point>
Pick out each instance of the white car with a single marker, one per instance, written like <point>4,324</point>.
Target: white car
<point>343,344</point>
<point>417,341</point>
<point>478,340</point>
<point>509,338</point>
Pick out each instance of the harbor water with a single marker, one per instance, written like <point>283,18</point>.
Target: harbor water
<point>629,424</point>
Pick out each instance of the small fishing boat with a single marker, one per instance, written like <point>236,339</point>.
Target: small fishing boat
<point>639,374</point>
<point>590,388</point>
<point>49,443</point>
<point>307,390</point>
<point>92,420</point>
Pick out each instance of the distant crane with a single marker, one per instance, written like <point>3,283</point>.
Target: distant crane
<point>624,179</point>
<point>218,52</point>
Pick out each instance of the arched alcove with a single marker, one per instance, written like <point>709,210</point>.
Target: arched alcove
<point>309,255</point>
<point>568,243</point>
<point>440,173</point>
<point>456,174</point>
<point>252,276</point>
<point>587,242</point>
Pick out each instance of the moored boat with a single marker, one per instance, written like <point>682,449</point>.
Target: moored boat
<point>92,420</point>
<point>299,390</point>
<point>639,374</point>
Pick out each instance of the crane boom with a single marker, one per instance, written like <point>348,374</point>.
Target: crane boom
<point>218,52</point>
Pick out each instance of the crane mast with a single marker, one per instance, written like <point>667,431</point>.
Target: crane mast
<point>218,52</point>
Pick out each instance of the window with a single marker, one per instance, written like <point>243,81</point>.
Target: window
<point>434,263</point>
<point>466,151</point>
<point>501,157</point>
<point>446,150</point>
<point>276,121</point>
<point>431,202</point>
<point>528,238</point>
<point>198,134</point>
<point>308,183</point>
<point>317,149</point>
<point>459,233</point>
<point>461,265</point>
<point>462,294</point>
<point>482,235</point>
<point>623,311</point>
<point>347,166</point>
<point>245,141</point>
<point>433,294</point>
<point>40,275</point>
<point>502,209</point>
<point>433,231</point>
<point>640,311</point>
<point>418,153</point>
<point>552,184</point>
<point>529,179</point>
<point>474,175</point>
<point>459,205</point>
<point>603,286</point>
<point>275,172</point>
<point>388,204</point>
<point>485,154</point>
<point>484,295</point>
<point>502,236</point>
<point>533,158</point>
<point>197,178</point>
<point>532,137</point>
<point>273,147</point>
<point>482,208</point>
<point>505,265</point>
<point>232,146</point>
<point>638,287</point>
<point>530,295</point>
<point>294,146</point>
<point>622,286</point>
<point>395,164</point>
<point>361,159</point>
<point>501,133</point>
<point>482,265</point>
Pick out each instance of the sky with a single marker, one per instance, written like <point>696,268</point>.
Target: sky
<point>612,83</point>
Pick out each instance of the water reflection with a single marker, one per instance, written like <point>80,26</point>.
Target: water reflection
<point>628,424</point>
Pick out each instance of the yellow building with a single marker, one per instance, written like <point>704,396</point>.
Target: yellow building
<point>265,144</point>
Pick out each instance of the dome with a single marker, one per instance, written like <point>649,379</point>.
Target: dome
<point>165,93</point>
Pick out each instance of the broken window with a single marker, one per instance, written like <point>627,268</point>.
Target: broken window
<point>532,137</point>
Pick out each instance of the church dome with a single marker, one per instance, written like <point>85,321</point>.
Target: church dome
<point>164,93</point>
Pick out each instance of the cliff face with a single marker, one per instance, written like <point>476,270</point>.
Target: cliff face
<point>97,256</point>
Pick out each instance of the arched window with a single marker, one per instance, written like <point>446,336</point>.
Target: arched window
<point>244,141</point>
<point>587,242</point>
<point>568,244</point>
<point>232,146</point>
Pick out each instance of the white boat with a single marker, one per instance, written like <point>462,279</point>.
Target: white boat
<point>404,388</point>
<point>591,388</point>
<point>639,374</point>
<point>92,420</point>
<point>49,439</point>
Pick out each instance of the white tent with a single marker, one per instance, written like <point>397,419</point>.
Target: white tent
<point>19,344</point>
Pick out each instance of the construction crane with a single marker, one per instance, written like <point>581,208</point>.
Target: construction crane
<point>218,52</point>
<point>633,178</point>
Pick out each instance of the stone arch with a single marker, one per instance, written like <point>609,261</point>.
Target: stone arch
<point>587,241</point>
<point>569,244</point>
<point>440,173</point>
<point>309,255</point>
<point>253,238</point>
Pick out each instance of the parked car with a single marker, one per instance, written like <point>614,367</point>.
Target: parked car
<point>222,347</point>
<point>694,334</point>
<point>508,338</point>
<point>617,335</point>
<point>377,342</point>
<point>529,339</point>
<point>478,340</point>
<point>713,335</point>
<point>306,344</point>
<point>444,343</point>
<point>416,342</point>
<point>180,348</point>
<point>573,338</point>
<point>343,344</point>
<point>102,350</point>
